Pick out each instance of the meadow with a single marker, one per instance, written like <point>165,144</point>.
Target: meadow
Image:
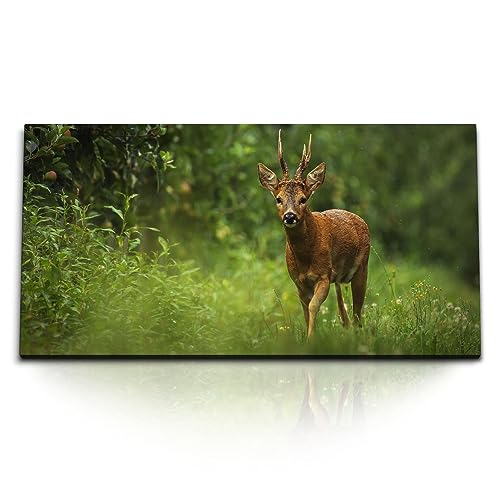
<point>106,276</point>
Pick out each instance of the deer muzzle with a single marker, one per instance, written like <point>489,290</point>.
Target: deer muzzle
<point>290,219</point>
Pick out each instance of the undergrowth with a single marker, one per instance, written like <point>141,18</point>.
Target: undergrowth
<point>89,290</point>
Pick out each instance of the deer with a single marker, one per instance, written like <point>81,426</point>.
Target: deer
<point>321,247</point>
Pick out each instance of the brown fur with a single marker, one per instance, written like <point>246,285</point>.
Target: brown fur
<point>323,247</point>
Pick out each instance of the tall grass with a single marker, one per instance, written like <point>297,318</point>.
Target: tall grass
<point>88,290</point>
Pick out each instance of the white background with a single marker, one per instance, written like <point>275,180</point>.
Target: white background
<point>163,429</point>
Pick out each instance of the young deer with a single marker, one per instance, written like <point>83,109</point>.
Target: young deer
<point>321,247</point>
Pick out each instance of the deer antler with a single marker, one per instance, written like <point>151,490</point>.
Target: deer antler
<point>283,164</point>
<point>304,161</point>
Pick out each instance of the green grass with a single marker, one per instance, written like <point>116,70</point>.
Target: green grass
<point>85,290</point>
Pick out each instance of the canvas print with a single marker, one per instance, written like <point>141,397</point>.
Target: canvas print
<point>250,240</point>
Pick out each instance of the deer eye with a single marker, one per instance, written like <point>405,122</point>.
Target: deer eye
<point>279,201</point>
<point>302,200</point>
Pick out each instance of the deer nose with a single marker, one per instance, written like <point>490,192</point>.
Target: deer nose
<point>290,219</point>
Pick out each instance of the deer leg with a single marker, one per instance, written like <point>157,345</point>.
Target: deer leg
<point>341,306</point>
<point>305,298</point>
<point>358,288</point>
<point>305,308</point>
<point>320,294</point>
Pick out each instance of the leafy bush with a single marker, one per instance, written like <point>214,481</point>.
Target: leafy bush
<point>79,280</point>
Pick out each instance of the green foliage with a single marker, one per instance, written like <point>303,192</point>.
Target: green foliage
<point>80,281</point>
<point>97,278</point>
<point>45,148</point>
<point>102,162</point>
<point>416,186</point>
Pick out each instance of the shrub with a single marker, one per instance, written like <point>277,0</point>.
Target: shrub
<point>86,289</point>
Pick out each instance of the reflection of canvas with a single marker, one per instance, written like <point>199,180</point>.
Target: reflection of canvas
<point>273,399</point>
<point>159,240</point>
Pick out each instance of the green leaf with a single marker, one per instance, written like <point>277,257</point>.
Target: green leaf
<point>45,151</point>
<point>163,244</point>
<point>166,156</point>
<point>31,136</point>
<point>30,146</point>
<point>133,244</point>
<point>42,186</point>
<point>117,211</point>
<point>66,139</point>
<point>51,134</point>
<point>65,128</point>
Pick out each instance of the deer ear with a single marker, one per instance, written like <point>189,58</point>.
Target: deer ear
<point>316,177</point>
<point>268,178</point>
